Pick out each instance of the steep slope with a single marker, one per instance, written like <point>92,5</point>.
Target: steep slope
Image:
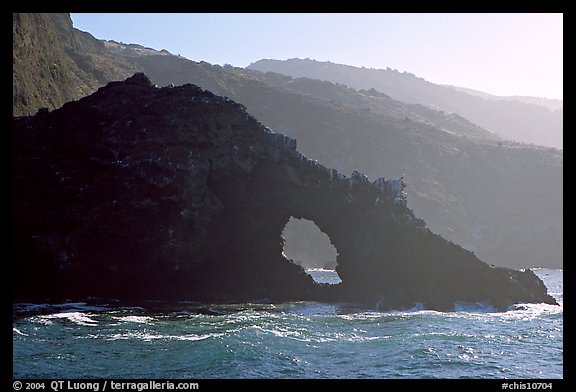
<point>513,120</point>
<point>138,193</point>
<point>53,63</point>
<point>500,199</point>
<point>41,70</point>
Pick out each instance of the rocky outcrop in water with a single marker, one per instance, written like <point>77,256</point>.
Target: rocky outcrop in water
<point>138,192</point>
<point>485,195</point>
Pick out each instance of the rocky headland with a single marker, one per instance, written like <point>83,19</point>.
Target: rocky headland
<point>138,192</point>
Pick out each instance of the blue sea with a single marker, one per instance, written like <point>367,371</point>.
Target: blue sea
<point>288,340</point>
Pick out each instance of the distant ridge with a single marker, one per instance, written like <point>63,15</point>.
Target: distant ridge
<point>551,104</point>
<point>512,119</point>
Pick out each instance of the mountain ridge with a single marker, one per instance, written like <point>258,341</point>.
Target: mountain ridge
<point>510,119</point>
<point>552,104</point>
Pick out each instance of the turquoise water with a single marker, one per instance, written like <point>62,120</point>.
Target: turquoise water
<point>288,340</point>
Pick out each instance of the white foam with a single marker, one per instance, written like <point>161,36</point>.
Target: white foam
<point>531,311</point>
<point>135,319</point>
<point>359,338</point>
<point>18,331</point>
<point>76,317</point>
<point>361,316</point>
<point>149,337</point>
<point>41,320</point>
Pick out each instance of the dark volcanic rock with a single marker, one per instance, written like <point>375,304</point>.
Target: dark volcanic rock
<point>503,200</point>
<point>138,192</point>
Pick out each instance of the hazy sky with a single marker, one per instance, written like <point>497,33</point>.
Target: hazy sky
<point>502,54</point>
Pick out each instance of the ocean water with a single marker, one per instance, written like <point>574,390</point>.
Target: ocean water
<point>288,340</point>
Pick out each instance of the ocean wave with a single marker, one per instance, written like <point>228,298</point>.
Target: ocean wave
<point>418,307</point>
<point>134,319</point>
<point>532,311</point>
<point>145,336</point>
<point>16,330</point>
<point>26,309</point>
<point>310,336</point>
<point>474,307</point>
<point>75,317</point>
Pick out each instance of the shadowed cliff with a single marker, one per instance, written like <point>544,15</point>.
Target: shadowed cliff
<point>138,192</point>
<point>500,199</point>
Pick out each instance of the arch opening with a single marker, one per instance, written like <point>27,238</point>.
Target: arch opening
<point>306,245</point>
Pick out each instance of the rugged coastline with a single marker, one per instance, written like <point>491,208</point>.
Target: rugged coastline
<point>138,192</point>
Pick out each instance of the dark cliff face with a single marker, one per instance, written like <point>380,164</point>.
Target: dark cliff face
<point>500,199</point>
<point>138,192</point>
